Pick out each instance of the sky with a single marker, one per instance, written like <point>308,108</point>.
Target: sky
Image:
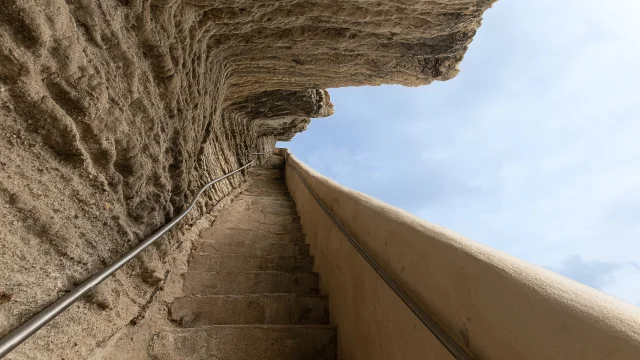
<point>533,149</point>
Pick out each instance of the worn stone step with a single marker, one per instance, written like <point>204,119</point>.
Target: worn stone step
<point>274,203</point>
<point>268,309</point>
<point>261,170</point>
<point>268,176</point>
<point>233,262</point>
<point>277,186</point>
<point>258,248</point>
<point>273,210</point>
<point>261,209</point>
<point>246,342</point>
<point>260,217</point>
<point>275,163</point>
<point>276,183</point>
<point>274,166</point>
<point>265,169</point>
<point>273,182</point>
<point>224,234</point>
<point>266,192</point>
<point>277,197</point>
<point>255,200</point>
<point>245,202</point>
<point>249,282</point>
<point>262,198</point>
<point>229,220</point>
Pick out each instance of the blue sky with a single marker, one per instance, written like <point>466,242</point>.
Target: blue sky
<point>534,148</point>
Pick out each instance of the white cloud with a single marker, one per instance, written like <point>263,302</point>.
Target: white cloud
<point>618,279</point>
<point>625,283</point>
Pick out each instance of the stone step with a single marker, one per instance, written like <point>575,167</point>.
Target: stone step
<point>274,166</point>
<point>250,282</point>
<point>255,200</point>
<point>283,197</point>
<point>274,162</point>
<point>246,342</point>
<point>262,198</point>
<point>261,209</point>
<point>267,309</point>
<point>258,248</point>
<point>267,174</point>
<point>223,234</point>
<point>267,170</point>
<point>260,217</point>
<point>233,262</point>
<point>229,220</point>
<point>270,179</point>
<point>274,208</point>
<point>266,192</point>
<point>271,185</point>
<point>268,182</point>
<point>260,170</point>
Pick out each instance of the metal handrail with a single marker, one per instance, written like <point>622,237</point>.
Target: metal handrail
<point>24,331</point>
<point>445,339</point>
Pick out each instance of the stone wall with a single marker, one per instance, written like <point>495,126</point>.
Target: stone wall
<point>113,113</point>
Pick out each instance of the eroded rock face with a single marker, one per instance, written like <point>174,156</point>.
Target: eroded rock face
<point>113,113</point>
<point>280,114</point>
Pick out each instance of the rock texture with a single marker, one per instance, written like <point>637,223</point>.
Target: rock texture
<point>113,113</point>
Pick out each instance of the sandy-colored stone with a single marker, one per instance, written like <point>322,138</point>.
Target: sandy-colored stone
<point>262,218</point>
<point>269,309</point>
<point>218,233</point>
<point>250,282</point>
<point>246,342</point>
<point>252,247</point>
<point>266,200</point>
<point>235,262</point>
<point>241,223</point>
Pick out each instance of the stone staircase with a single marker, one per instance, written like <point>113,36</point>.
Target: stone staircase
<point>250,292</point>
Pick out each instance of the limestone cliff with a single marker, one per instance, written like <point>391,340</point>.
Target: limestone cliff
<point>112,114</point>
